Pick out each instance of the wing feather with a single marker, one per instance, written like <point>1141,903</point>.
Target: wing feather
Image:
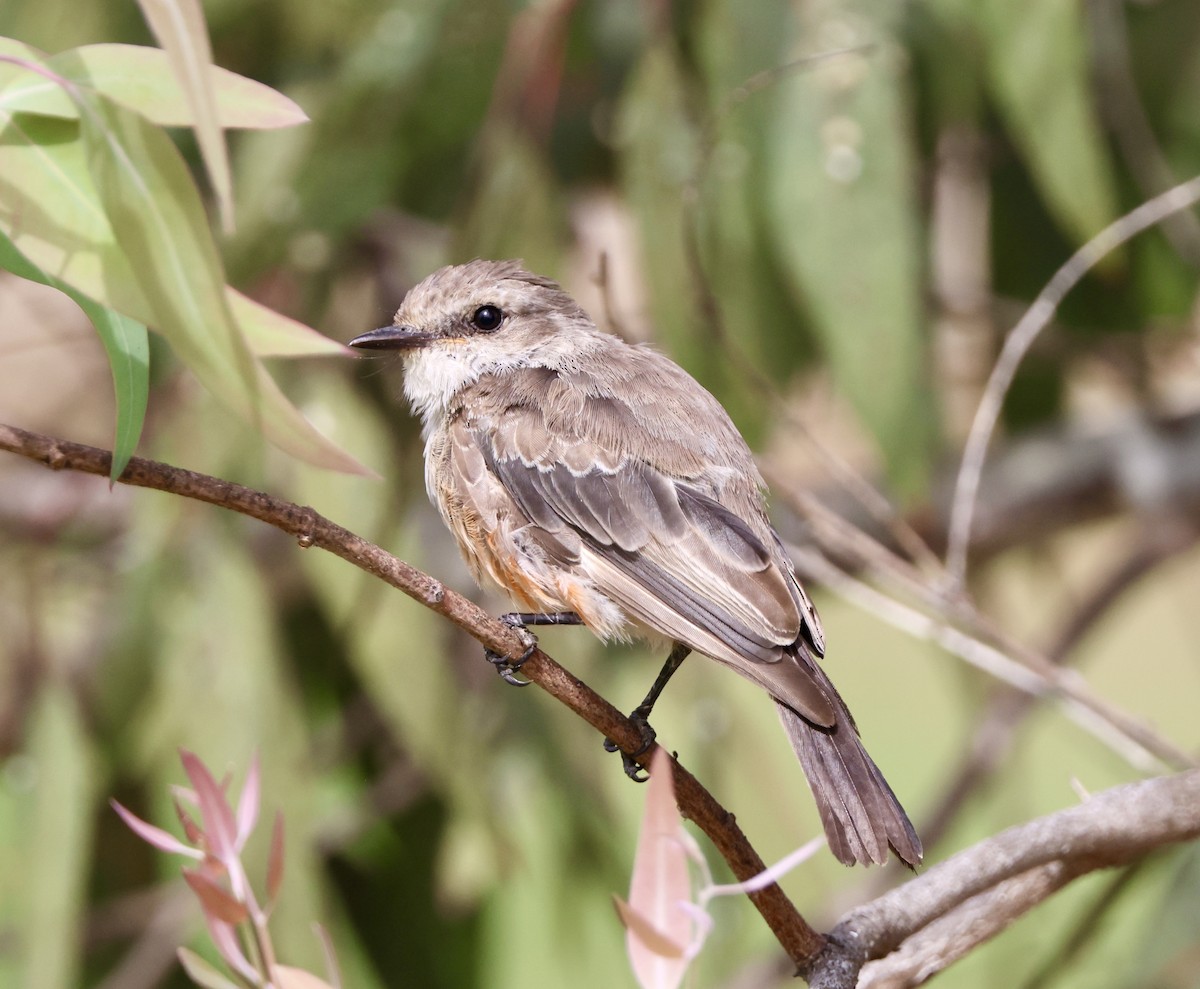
<point>686,551</point>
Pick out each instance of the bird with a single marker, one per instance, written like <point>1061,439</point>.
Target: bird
<point>596,482</point>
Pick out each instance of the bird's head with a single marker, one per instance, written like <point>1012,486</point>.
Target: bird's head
<point>478,318</point>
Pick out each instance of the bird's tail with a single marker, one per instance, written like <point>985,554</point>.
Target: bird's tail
<point>861,815</point>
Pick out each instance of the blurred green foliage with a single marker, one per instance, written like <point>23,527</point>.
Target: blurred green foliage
<point>769,230</point>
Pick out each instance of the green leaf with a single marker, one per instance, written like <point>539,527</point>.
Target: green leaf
<point>180,29</point>
<point>841,202</point>
<point>51,210</point>
<point>140,78</point>
<point>125,341</point>
<point>59,836</point>
<point>118,183</point>
<point>657,145</point>
<point>1037,69</point>
<point>272,334</point>
<point>128,347</point>
<point>160,225</point>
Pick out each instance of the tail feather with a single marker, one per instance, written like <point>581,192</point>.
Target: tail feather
<point>860,813</point>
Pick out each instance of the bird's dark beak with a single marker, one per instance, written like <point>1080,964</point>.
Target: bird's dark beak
<point>393,338</point>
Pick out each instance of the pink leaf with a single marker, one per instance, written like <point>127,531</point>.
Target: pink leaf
<point>247,809</point>
<point>650,936</point>
<point>160,839</point>
<point>216,815</point>
<point>190,827</point>
<point>224,938</point>
<point>661,882</point>
<point>215,901</point>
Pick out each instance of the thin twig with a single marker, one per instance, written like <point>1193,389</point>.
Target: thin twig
<point>1017,344</point>
<point>798,939</point>
<point>871,499</point>
<point>843,541</point>
<point>1136,743</point>
<point>768,77</point>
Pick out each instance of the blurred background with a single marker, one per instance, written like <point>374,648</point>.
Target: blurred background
<point>830,212</point>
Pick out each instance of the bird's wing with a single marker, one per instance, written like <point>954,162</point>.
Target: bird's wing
<point>661,546</point>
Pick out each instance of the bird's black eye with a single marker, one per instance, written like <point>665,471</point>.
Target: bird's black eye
<point>487,318</point>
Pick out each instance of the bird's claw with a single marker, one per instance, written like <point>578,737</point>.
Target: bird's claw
<point>629,761</point>
<point>508,667</point>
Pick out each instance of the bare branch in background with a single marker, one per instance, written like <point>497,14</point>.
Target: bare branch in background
<point>1006,709</point>
<point>1017,344</point>
<point>921,927</point>
<point>956,625</point>
<point>1016,666</point>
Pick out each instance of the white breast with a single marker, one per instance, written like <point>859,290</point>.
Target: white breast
<point>433,376</point>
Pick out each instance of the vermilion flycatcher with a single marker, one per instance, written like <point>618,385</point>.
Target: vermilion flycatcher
<point>598,483</point>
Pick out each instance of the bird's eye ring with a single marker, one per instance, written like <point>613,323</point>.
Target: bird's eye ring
<point>487,318</point>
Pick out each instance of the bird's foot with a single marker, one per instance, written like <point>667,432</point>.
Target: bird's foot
<point>518,621</point>
<point>633,769</point>
<point>507,666</point>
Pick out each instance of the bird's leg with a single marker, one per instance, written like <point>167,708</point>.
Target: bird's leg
<point>640,715</point>
<point>506,666</point>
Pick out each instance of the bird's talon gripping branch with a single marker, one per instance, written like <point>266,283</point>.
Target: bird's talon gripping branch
<point>506,666</point>
<point>519,621</point>
<point>629,760</point>
<point>507,669</point>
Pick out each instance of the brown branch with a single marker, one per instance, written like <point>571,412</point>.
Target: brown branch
<point>969,898</point>
<point>799,940</point>
<point>980,918</point>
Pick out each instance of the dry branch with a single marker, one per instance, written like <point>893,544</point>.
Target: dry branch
<point>1014,665</point>
<point>1017,344</point>
<point>961,902</point>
